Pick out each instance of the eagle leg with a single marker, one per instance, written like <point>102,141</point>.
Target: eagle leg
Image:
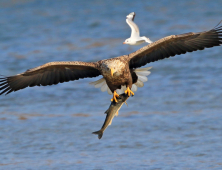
<point>128,91</point>
<point>115,95</point>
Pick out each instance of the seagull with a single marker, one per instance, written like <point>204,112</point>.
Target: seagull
<point>117,72</point>
<point>135,38</point>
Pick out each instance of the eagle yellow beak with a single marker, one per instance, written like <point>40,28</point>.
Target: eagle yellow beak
<point>124,43</point>
<point>112,71</point>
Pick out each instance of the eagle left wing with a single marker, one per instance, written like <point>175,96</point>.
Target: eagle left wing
<point>49,74</point>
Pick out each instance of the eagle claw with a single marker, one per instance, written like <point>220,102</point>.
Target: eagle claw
<point>115,95</point>
<point>129,92</point>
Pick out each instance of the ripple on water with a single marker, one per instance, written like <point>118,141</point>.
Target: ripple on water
<point>173,121</point>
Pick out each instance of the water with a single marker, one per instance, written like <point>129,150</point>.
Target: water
<point>173,122</point>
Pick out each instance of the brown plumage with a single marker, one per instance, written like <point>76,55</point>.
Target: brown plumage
<point>176,45</point>
<point>122,67</point>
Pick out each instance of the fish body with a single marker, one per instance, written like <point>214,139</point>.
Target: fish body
<point>111,112</point>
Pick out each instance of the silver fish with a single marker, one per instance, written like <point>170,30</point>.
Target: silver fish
<point>111,112</point>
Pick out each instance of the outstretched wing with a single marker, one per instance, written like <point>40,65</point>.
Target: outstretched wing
<point>176,45</point>
<point>48,74</point>
<point>134,28</point>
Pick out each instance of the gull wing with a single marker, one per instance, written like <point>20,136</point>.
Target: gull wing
<point>134,28</point>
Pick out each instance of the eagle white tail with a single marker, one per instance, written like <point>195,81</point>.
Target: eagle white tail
<point>142,74</point>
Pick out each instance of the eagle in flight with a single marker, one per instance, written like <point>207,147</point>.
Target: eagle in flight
<point>117,72</point>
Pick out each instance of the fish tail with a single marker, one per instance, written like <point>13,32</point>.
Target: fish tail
<point>99,133</point>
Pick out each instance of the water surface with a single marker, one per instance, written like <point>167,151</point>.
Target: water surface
<point>173,122</point>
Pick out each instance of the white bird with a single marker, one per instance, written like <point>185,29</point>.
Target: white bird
<point>135,38</point>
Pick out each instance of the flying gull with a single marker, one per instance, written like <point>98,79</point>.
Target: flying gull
<point>119,71</point>
<point>135,38</point>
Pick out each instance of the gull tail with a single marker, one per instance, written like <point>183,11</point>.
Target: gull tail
<point>99,133</point>
<point>147,39</point>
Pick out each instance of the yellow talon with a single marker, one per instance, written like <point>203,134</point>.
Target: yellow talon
<point>115,95</point>
<point>128,91</point>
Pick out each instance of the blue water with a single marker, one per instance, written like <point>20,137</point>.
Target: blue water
<point>173,122</point>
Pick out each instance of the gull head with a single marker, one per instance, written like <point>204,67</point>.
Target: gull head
<point>128,41</point>
<point>131,41</point>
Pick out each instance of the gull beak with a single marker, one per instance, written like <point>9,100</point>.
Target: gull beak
<point>124,43</point>
<point>112,71</point>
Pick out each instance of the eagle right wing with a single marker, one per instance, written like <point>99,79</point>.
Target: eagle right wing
<point>176,45</point>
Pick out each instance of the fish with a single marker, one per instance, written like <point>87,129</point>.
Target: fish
<point>111,112</point>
